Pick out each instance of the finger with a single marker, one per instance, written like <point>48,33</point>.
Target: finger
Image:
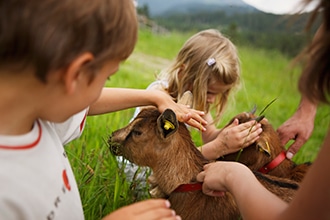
<point>172,218</point>
<point>234,123</point>
<point>158,213</point>
<point>252,137</point>
<point>196,122</point>
<point>196,125</point>
<point>210,192</point>
<point>206,166</point>
<point>284,138</point>
<point>294,148</point>
<point>200,177</point>
<point>218,193</point>
<point>247,126</point>
<point>150,204</point>
<point>250,141</point>
<point>256,130</point>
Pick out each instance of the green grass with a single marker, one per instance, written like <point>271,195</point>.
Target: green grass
<point>265,75</point>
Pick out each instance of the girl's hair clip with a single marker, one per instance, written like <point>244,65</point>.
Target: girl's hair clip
<point>210,62</point>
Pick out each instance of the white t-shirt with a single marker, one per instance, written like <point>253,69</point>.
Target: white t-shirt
<point>158,85</point>
<point>36,179</point>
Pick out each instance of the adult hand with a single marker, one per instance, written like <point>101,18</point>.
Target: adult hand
<point>298,128</point>
<point>152,209</point>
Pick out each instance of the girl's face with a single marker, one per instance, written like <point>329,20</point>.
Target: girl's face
<point>214,89</point>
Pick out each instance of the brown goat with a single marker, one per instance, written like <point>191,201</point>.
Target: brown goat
<point>264,151</point>
<point>161,143</point>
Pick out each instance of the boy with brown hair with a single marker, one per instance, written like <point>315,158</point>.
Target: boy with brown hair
<point>55,57</point>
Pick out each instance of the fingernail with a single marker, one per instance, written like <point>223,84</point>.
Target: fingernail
<point>178,217</point>
<point>173,213</point>
<point>167,203</point>
<point>289,155</point>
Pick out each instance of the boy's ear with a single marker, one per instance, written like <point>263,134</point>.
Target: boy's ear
<point>75,69</point>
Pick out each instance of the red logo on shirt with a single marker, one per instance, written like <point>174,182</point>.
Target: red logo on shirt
<point>66,180</point>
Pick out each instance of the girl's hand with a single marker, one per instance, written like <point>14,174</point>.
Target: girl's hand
<point>237,136</point>
<point>152,209</point>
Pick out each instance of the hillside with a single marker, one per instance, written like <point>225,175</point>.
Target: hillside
<point>243,24</point>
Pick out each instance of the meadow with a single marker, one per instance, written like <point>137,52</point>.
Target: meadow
<point>266,75</point>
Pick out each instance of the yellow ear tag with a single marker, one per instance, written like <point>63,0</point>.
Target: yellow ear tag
<point>168,125</point>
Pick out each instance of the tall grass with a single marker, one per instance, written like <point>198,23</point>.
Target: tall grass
<point>265,75</point>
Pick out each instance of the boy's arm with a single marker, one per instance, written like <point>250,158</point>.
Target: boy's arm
<point>115,99</point>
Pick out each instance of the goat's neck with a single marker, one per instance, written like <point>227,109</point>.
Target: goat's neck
<point>178,165</point>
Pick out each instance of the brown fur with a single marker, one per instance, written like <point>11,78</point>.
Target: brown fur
<point>255,159</point>
<point>175,160</point>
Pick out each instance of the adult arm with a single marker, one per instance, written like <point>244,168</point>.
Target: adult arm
<point>300,126</point>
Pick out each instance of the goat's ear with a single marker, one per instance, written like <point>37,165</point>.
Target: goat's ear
<point>186,99</point>
<point>263,146</point>
<point>167,123</point>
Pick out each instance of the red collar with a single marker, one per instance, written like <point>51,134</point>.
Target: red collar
<point>274,163</point>
<point>28,146</point>
<point>189,187</point>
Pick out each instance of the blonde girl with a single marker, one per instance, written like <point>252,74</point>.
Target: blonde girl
<point>209,67</point>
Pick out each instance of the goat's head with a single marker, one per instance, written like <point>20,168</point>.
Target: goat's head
<point>264,150</point>
<point>149,137</point>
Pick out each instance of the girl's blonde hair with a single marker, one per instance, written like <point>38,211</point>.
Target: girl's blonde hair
<point>192,71</point>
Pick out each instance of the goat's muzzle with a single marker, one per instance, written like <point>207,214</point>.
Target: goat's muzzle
<point>115,147</point>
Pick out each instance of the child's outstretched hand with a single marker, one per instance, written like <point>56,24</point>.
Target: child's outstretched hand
<point>152,209</point>
<point>184,113</point>
<point>190,116</point>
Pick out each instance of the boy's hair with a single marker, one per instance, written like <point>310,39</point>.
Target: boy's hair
<point>47,35</point>
<point>314,82</point>
<point>192,60</point>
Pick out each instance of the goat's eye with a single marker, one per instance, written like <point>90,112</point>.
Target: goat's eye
<point>133,133</point>
<point>136,132</point>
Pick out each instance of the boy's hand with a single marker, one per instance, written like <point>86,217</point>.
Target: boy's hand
<point>152,209</point>
<point>190,116</point>
<point>184,113</point>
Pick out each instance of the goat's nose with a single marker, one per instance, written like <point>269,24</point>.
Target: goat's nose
<point>114,147</point>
